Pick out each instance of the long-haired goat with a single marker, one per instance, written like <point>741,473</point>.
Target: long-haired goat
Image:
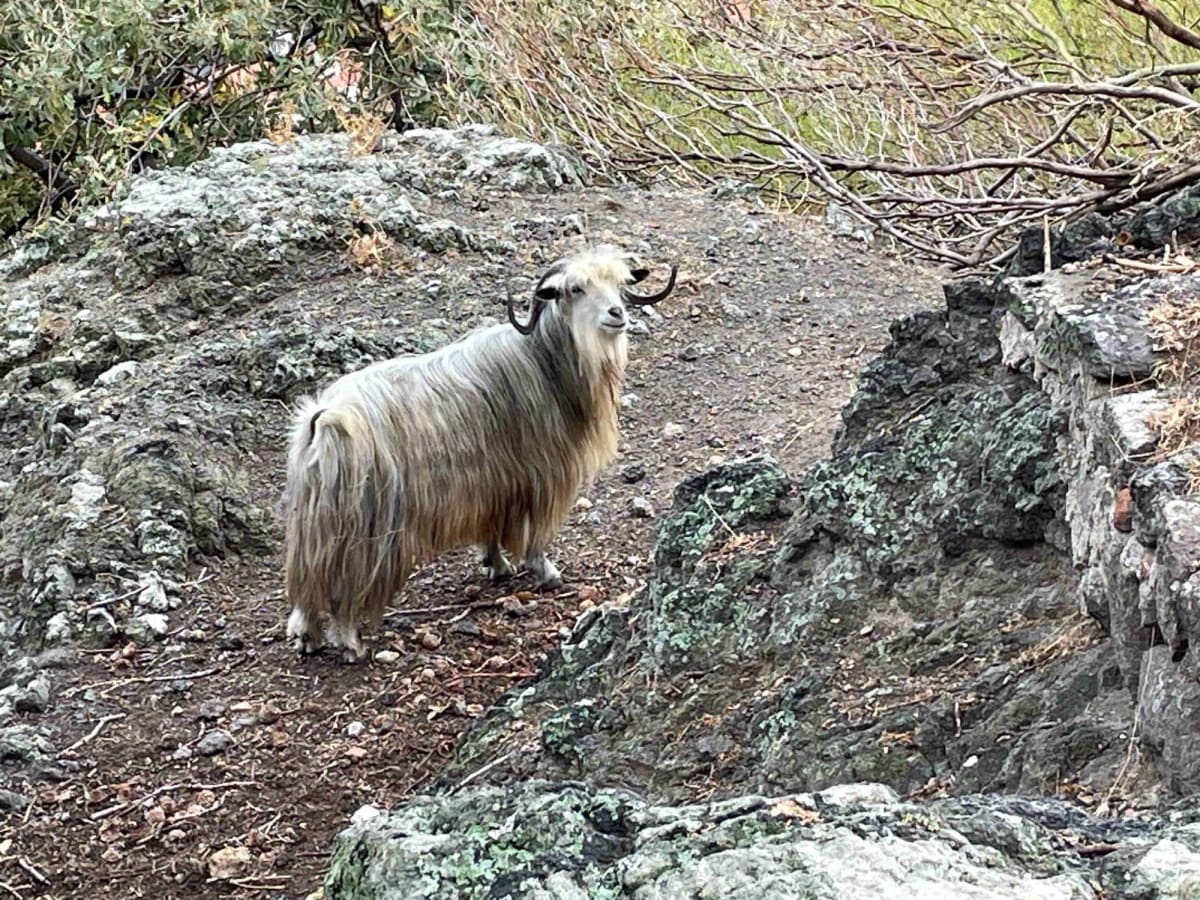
<point>486,441</point>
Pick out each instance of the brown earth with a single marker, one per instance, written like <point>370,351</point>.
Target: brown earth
<point>758,351</point>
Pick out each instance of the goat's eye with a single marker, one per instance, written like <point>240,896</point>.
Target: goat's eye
<point>577,289</point>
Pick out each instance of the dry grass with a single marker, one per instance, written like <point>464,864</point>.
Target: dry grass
<point>1175,325</point>
<point>282,130</point>
<point>1069,638</point>
<point>364,130</point>
<point>374,251</point>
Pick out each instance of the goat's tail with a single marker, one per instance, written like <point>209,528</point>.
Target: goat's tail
<point>343,513</point>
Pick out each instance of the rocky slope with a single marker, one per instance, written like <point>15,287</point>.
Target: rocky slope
<point>987,589</point>
<point>155,728</point>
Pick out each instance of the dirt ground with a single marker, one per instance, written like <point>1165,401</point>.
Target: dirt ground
<point>224,766</point>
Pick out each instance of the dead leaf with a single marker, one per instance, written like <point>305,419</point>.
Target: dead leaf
<point>791,809</point>
<point>230,862</point>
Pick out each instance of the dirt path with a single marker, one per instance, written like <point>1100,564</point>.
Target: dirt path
<point>220,740</point>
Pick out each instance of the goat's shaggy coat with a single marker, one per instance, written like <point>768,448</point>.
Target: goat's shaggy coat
<point>486,441</point>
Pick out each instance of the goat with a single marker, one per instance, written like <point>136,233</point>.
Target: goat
<point>486,442</point>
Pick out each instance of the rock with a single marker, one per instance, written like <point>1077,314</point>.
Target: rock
<point>117,374</point>
<point>211,710</point>
<point>387,657</point>
<point>633,474</point>
<point>214,742</point>
<point>690,353</point>
<point>11,801</point>
<point>155,625</point>
<point>21,743</point>
<point>230,862</point>
<point>641,508</point>
<point>1168,868</point>
<point>565,840</point>
<point>672,430</point>
<point>34,697</point>
<point>355,729</point>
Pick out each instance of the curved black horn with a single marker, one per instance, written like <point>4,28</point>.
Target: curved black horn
<point>640,300</point>
<point>535,313</point>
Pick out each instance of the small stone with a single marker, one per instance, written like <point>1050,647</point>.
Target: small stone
<point>1122,514</point>
<point>584,503</point>
<point>364,813</point>
<point>210,711</point>
<point>269,713</point>
<point>690,353</point>
<point>641,508</point>
<point>356,753</point>
<point>230,862</point>
<point>35,696</point>
<point>182,753</point>
<point>214,742</point>
<point>672,430</point>
<point>155,624</point>
<point>430,640</point>
<point>387,657</point>
<point>633,474</point>
<point>796,351</point>
<point>627,400</point>
<point>467,627</point>
<point>11,801</point>
<point>354,729</point>
<point>122,371</point>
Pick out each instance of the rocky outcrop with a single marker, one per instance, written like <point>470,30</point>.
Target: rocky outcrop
<point>905,614</point>
<point>129,457</point>
<point>1134,524</point>
<point>566,841</point>
<point>988,588</point>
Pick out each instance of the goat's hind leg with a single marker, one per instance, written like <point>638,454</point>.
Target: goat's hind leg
<point>495,566</point>
<point>305,630</point>
<point>543,570</point>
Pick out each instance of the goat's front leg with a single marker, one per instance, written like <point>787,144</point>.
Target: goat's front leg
<point>305,631</point>
<point>495,566</point>
<point>543,570</point>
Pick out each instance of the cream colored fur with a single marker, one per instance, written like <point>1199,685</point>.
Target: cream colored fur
<point>486,441</point>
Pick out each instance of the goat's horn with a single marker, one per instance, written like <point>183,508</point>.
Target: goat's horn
<point>535,314</point>
<point>640,300</point>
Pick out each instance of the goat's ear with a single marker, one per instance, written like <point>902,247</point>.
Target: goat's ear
<point>546,292</point>
<point>639,275</point>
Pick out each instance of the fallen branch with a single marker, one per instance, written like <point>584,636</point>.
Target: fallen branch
<point>165,789</point>
<point>94,732</point>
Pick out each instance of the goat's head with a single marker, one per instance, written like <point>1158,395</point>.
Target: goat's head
<point>590,291</point>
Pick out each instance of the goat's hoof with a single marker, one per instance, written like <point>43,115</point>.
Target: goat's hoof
<point>551,582</point>
<point>307,646</point>
<point>498,573</point>
<point>354,657</point>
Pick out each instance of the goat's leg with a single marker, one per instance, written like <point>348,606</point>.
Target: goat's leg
<point>495,566</point>
<point>345,635</point>
<point>305,630</point>
<point>543,570</point>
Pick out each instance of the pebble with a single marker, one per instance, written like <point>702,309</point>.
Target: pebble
<point>672,429</point>
<point>633,474</point>
<point>387,657</point>
<point>214,742</point>
<point>12,801</point>
<point>430,640</point>
<point>641,508</point>
<point>354,729</point>
<point>690,353</point>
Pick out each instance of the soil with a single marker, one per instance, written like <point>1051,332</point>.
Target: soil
<point>225,768</point>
